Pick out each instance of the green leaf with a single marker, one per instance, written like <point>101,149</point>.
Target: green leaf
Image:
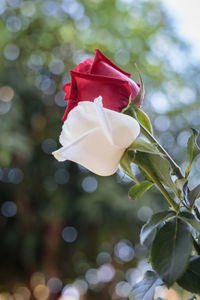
<point>190,280</point>
<point>194,194</point>
<point>156,166</point>
<point>192,149</point>
<point>138,190</point>
<point>145,174</point>
<point>143,146</point>
<point>143,119</point>
<point>153,223</point>
<point>171,250</point>
<point>125,164</point>
<point>144,290</point>
<point>190,219</point>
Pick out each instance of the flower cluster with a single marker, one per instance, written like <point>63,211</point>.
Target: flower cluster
<point>95,133</point>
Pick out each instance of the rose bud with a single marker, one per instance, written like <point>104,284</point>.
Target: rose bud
<point>100,76</point>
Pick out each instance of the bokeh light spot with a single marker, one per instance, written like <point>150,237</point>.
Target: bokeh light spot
<point>89,184</point>
<point>59,99</point>
<point>6,93</point>
<point>103,257</point>
<point>11,52</point>
<point>73,8</point>
<point>5,296</point>
<point>8,209</point>
<point>159,102</point>
<point>144,213</point>
<point>4,107</point>
<point>69,234</point>
<point>1,174</point>
<point>106,273</point>
<point>61,176</point>
<point>14,3</point>
<point>36,61</point>
<point>51,8</point>
<point>133,275</point>
<point>28,9</point>
<point>92,276</point>
<point>124,251</point>
<point>13,24</point>
<point>15,175</point>
<point>70,292</point>
<point>54,285</point>
<point>2,6</point>
<point>17,296</point>
<point>24,291</point>
<point>41,292</point>
<point>162,123</point>
<point>187,95</point>
<point>37,278</point>
<point>81,285</point>
<point>56,66</point>
<point>183,138</point>
<point>123,289</point>
<point>48,146</point>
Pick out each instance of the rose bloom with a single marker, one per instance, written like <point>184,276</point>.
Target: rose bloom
<point>100,76</point>
<point>95,133</point>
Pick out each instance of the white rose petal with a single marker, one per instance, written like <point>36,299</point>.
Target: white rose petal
<point>96,137</point>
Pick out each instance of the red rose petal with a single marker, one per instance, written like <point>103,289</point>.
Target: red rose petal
<point>103,66</point>
<point>84,66</point>
<point>112,69</point>
<point>100,77</point>
<point>87,87</point>
<point>67,89</point>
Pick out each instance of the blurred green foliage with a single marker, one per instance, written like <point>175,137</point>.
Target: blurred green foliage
<point>57,218</point>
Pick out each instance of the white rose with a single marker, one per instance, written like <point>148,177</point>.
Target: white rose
<point>96,137</point>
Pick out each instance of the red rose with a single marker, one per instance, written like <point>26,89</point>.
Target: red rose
<point>100,76</point>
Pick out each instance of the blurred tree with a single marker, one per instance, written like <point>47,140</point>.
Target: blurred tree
<point>57,218</point>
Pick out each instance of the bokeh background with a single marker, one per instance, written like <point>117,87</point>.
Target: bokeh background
<point>65,232</point>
